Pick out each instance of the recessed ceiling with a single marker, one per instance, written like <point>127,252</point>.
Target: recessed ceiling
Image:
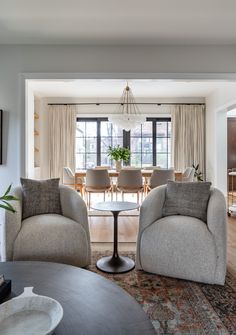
<point>112,22</point>
<point>148,88</point>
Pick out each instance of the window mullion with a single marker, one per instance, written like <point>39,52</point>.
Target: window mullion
<point>154,143</point>
<point>167,149</point>
<point>126,142</point>
<point>98,142</point>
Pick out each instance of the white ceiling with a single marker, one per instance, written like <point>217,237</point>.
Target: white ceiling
<point>120,22</point>
<point>150,88</point>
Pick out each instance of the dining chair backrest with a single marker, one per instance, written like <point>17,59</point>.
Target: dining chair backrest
<point>161,176</point>
<point>104,167</point>
<point>68,176</point>
<point>130,178</point>
<point>97,178</point>
<point>188,175</point>
<point>151,167</point>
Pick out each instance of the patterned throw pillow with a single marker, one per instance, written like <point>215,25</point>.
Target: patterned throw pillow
<point>40,197</point>
<point>184,198</point>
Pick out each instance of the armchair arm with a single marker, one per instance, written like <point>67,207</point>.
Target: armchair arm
<point>74,207</point>
<point>151,209</point>
<point>11,226</point>
<point>217,224</point>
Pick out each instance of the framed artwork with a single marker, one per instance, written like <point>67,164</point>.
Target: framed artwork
<point>1,113</point>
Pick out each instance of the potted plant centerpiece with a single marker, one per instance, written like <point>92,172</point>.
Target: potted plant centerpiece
<point>119,154</point>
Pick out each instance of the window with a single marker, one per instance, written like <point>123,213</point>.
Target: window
<point>141,145</point>
<point>163,144</point>
<point>150,143</point>
<point>86,144</point>
<point>110,135</point>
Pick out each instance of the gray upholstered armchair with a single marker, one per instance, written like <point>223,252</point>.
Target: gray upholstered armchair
<point>182,246</point>
<point>49,237</point>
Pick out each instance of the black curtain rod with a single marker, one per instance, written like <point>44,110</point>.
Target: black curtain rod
<point>118,103</point>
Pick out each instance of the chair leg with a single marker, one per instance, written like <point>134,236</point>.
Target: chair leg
<point>104,196</point>
<point>89,199</point>
<point>138,197</point>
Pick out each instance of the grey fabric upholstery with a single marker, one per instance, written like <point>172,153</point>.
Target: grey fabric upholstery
<point>189,199</point>
<point>130,180</point>
<point>97,179</point>
<point>49,237</point>
<point>160,177</point>
<point>181,246</point>
<point>40,197</point>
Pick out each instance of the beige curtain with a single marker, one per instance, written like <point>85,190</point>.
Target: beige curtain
<point>62,127</point>
<point>188,136</point>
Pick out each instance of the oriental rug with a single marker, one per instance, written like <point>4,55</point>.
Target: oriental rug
<point>179,306</point>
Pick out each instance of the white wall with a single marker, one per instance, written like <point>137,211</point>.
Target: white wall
<point>29,107</point>
<point>100,62</point>
<point>217,105</point>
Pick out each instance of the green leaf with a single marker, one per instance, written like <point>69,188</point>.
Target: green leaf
<point>9,198</point>
<point>7,208</point>
<point>10,207</point>
<point>118,153</point>
<point>8,190</point>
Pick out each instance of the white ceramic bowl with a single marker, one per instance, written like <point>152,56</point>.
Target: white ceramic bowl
<point>30,314</point>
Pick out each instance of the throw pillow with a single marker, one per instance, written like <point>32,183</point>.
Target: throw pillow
<point>40,197</point>
<point>184,198</point>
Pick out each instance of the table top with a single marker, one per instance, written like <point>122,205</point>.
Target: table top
<point>91,303</point>
<point>114,173</point>
<point>115,206</point>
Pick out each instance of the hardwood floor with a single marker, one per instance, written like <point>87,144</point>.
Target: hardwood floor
<point>101,230</point>
<point>231,244</point>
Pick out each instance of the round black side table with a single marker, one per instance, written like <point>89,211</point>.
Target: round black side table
<point>115,263</point>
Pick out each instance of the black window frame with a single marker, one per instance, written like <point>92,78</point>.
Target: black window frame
<point>126,135</point>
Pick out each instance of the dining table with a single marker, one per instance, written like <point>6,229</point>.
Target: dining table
<point>113,173</point>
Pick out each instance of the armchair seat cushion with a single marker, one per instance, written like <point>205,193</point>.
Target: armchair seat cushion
<point>179,246</point>
<point>51,237</point>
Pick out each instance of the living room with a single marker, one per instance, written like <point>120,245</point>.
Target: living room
<point>175,281</point>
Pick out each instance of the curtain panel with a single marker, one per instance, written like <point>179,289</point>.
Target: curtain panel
<point>62,128</point>
<point>188,136</point>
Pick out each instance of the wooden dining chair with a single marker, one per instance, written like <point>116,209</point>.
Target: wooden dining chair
<point>160,177</point>
<point>97,181</point>
<point>130,181</point>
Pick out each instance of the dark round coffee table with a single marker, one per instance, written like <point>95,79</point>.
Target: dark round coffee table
<point>91,303</point>
<point>115,263</point>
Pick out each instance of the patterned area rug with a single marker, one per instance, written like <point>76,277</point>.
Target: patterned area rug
<point>178,306</point>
